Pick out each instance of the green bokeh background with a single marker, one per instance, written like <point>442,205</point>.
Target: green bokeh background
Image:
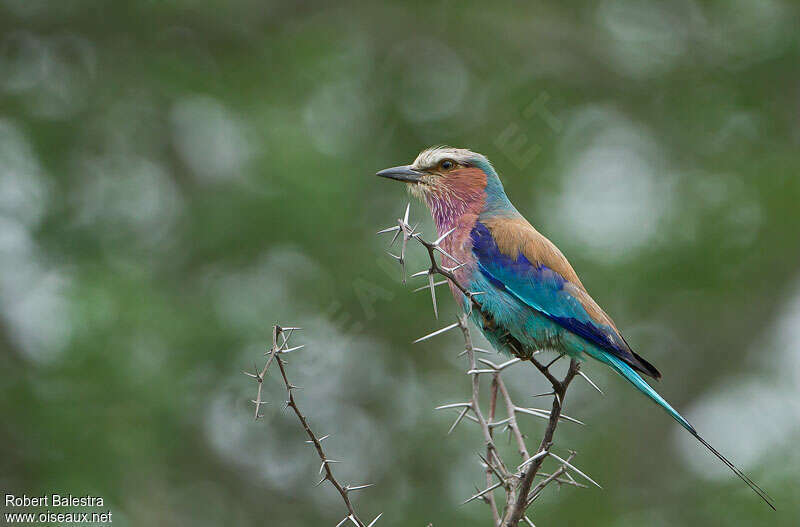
<point>177,176</point>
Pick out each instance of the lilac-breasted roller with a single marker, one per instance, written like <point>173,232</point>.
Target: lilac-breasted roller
<point>531,297</point>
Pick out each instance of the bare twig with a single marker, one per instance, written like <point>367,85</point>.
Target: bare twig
<point>274,356</point>
<point>511,409</point>
<point>494,463</point>
<point>518,504</point>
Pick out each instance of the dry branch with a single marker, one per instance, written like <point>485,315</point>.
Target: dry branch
<point>518,483</point>
<point>275,355</point>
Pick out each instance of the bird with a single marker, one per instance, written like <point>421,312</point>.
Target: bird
<point>531,297</point>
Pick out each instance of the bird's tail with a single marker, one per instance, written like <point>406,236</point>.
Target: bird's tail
<point>634,378</point>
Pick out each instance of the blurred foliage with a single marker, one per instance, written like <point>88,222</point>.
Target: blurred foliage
<point>177,176</point>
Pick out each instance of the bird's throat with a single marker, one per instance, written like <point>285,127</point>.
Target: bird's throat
<point>449,208</point>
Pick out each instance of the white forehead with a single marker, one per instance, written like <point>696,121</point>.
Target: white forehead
<point>432,156</point>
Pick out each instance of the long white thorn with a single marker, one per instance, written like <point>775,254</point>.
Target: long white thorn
<point>433,296</point>
<point>533,458</point>
<point>545,414</point>
<point>565,417</point>
<point>567,463</point>
<point>394,238</point>
<point>498,423</point>
<point>458,420</point>
<point>424,287</point>
<point>489,363</point>
<point>455,267</point>
<point>389,229</point>
<point>402,258</point>
<point>506,364</point>
<point>327,462</point>
<point>491,467</point>
<point>359,487</point>
<point>474,350</point>
<point>443,236</point>
<point>373,522</point>
<point>453,405</point>
<point>437,332</point>
<point>590,382</point>
<point>481,493</point>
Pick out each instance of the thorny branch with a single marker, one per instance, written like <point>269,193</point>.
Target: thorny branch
<point>517,483</point>
<point>275,355</point>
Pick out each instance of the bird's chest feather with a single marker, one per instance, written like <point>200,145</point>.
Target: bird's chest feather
<point>502,314</point>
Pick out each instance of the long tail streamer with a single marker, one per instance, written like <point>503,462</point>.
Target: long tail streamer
<point>634,378</point>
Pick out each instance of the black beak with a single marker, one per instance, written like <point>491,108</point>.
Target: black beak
<point>402,173</point>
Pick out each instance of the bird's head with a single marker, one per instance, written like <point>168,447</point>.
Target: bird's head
<point>451,181</point>
<point>442,170</point>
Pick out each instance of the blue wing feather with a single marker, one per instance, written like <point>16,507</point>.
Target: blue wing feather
<point>544,290</point>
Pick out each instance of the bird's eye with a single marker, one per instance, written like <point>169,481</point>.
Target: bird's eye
<point>447,164</point>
